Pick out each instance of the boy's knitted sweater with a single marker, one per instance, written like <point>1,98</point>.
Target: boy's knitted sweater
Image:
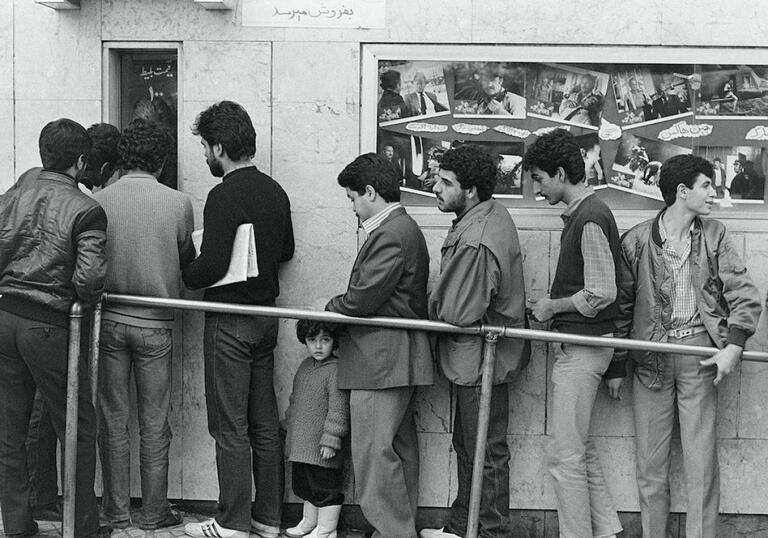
<point>318,413</point>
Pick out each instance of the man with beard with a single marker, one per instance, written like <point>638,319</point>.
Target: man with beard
<point>481,281</point>
<point>238,350</point>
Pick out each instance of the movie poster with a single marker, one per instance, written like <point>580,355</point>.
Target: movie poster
<point>627,119</point>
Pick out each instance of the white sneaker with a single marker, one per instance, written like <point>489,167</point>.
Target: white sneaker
<point>264,531</point>
<point>211,529</point>
<point>437,533</point>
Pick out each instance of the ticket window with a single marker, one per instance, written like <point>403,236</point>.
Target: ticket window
<point>144,84</point>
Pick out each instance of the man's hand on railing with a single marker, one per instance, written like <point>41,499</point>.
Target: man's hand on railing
<point>726,360</point>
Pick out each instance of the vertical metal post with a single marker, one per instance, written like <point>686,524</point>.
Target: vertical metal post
<point>94,352</point>
<point>483,417</point>
<point>70,436</point>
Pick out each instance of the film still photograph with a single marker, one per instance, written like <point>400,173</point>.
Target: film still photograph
<point>488,88</point>
<point>411,89</point>
<point>652,93</point>
<point>568,94</point>
<point>733,91</point>
<point>594,172</point>
<point>739,173</point>
<point>414,157</point>
<point>638,163</point>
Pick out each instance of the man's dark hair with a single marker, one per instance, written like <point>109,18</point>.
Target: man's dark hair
<point>306,328</point>
<point>553,150</point>
<point>473,167</point>
<point>682,169</point>
<point>228,124</point>
<point>145,145</point>
<point>61,142</point>
<point>374,170</point>
<point>389,79</point>
<point>104,138</point>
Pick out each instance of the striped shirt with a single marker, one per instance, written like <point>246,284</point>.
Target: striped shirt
<point>685,312</point>
<point>599,270</point>
<point>375,221</point>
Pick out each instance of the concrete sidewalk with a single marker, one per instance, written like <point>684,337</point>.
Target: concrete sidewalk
<point>53,528</point>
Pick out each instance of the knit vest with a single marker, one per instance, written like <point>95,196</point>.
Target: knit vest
<point>569,277</point>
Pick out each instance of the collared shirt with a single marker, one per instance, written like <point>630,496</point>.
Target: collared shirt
<point>685,312</point>
<point>599,270</point>
<point>429,106</point>
<point>375,221</point>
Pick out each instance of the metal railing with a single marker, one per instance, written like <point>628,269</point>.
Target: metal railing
<point>491,333</point>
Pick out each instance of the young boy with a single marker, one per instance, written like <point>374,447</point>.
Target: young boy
<point>318,419</point>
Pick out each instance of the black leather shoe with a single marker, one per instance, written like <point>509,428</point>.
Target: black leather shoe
<point>172,519</point>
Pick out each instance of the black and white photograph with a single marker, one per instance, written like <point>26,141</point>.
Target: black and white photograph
<point>568,94</point>
<point>594,171</point>
<point>637,164</point>
<point>652,93</point>
<point>731,90</point>
<point>411,90</point>
<point>488,89</point>
<point>740,172</point>
<point>422,174</point>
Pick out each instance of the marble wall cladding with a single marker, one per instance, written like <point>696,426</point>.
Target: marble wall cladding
<point>565,22</point>
<point>238,71</point>
<point>7,45</point>
<point>57,53</point>
<point>32,115</point>
<point>320,237</point>
<point>316,72</point>
<point>528,394</point>
<point>450,21</point>
<point>717,25</point>
<point>535,247</point>
<point>7,136</point>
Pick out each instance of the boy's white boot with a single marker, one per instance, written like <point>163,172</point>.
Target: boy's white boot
<point>307,524</point>
<point>327,521</point>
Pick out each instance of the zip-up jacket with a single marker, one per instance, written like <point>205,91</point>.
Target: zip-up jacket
<point>727,299</point>
<point>52,248</point>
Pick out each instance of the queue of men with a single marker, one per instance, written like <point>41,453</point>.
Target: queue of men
<point>675,278</point>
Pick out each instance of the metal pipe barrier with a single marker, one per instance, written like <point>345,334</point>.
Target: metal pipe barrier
<point>490,332</point>
<point>70,432</point>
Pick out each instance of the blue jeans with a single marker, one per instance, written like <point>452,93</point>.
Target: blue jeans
<point>242,418</point>
<point>148,351</point>
<point>494,495</point>
<point>33,355</point>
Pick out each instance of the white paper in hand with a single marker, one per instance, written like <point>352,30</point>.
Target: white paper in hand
<point>243,263</point>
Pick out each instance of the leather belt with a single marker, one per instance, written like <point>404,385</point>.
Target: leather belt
<point>687,331</point>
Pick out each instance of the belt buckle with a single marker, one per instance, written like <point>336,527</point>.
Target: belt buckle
<point>682,333</point>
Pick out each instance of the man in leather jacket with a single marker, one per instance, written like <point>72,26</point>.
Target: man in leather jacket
<point>52,240</point>
<point>682,281</point>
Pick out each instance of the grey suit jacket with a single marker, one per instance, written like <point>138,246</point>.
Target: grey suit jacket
<point>414,107</point>
<point>389,278</point>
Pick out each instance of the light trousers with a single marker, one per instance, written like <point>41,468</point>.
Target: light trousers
<point>687,385</point>
<point>584,505</point>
